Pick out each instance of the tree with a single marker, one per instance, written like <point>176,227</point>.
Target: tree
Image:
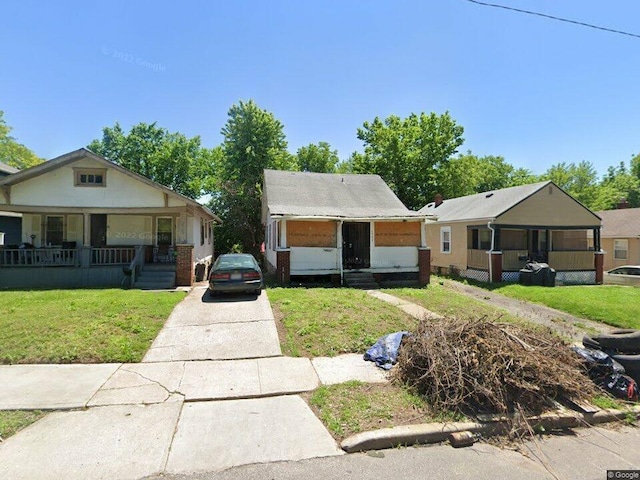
<point>13,153</point>
<point>578,180</point>
<point>468,174</point>
<point>253,140</point>
<point>617,184</point>
<point>171,159</point>
<point>407,152</point>
<point>317,158</point>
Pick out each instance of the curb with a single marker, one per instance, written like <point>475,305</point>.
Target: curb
<point>427,433</point>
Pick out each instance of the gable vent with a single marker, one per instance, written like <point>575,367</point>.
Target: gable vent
<point>550,190</point>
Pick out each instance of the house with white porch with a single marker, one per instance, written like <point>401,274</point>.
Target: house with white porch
<point>87,221</point>
<point>346,227</point>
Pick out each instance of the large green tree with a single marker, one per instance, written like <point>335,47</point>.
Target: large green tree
<point>12,152</point>
<point>579,180</point>
<point>170,159</point>
<point>408,152</point>
<point>468,174</point>
<point>317,158</point>
<point>253,140</point>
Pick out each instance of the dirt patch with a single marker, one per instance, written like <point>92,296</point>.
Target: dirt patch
<point>282,331</point>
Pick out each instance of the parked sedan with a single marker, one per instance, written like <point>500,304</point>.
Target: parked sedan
<point>235,272</point>
<point>625,275</point>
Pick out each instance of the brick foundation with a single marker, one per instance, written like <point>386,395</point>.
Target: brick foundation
<point>496,267</point>
<point>598,261</point>
<point>424,266</point>
<point>283,267</point>
<point>184,265</point>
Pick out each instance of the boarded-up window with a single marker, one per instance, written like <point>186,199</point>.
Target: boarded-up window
<point>568,240</point>
<point>311,234</point>
<point>397,234</point>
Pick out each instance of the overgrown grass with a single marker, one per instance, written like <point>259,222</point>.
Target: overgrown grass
<point>618,306</point>
<point>12,421</point>
<point>329,321</point>
<point>353,407</point>
<point>81,326</point>
<point>446,302</point>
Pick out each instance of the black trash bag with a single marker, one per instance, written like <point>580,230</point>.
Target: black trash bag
<point>598,362</point>
<point>621,386</point>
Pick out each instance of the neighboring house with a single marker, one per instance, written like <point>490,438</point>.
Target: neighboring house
<point>10,223</point>
<point>335,225</point>
<point>490,236</point>
<point>87,221</point>
<point>620,237</point>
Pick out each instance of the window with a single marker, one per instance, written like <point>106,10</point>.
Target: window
<point>164,230</point>
<point>620,249</point>
<point>54,230</point>
<point>445,239</point>
<point>90,177</point>
<point>480,239</point>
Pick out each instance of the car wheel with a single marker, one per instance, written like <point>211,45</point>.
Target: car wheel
<point>624,341</point>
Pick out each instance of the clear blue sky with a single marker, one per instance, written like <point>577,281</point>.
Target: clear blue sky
<point>533,90</point>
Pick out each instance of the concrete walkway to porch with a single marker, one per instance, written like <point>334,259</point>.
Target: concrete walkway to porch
<point>212,392</point>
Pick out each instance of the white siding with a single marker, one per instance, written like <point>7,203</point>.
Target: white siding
<point>399,258</point>
<point>74,231</point>
<point>314,260</point>
<point>129,230</point>
<point>31,225</point>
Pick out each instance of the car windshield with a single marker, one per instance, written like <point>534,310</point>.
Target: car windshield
<point>235,261</point>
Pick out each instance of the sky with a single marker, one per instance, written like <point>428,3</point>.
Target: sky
<point>533,90</point>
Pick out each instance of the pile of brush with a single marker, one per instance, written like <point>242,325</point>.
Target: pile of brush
<point>483,366</point>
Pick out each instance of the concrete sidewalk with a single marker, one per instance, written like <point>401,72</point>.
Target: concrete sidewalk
<point>213,392</point>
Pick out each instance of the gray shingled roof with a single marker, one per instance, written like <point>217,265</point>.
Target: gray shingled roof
<point>7,169</point>
<point>306,194</point>
<point>623,223</point>
<point>482,205</point>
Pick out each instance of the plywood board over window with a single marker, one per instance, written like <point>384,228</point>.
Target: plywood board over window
<point>311,234</point>
<point>397,234</point>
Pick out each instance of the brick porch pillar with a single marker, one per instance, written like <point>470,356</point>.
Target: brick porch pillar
<point>283,266</point>
<point>424,266</point>
<point>184,265</point>
<point>598,263</point>
<point>496,267</point>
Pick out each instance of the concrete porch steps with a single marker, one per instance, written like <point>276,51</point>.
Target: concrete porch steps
<point>157,277</point>
<point>362,280</point>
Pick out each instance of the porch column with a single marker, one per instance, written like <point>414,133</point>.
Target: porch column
<point>184,265</point>
<point>495,267</point>
<point>283,266</point>
<point>86,219</point>
<point>424,266</point>
<point>598,260</point>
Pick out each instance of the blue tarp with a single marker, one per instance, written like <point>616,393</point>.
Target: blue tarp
<point>385,351</point>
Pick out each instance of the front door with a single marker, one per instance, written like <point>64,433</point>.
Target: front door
<point>98,230</point>
<point>356,245</point>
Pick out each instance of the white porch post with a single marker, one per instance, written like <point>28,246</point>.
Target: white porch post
<point>86,223</point>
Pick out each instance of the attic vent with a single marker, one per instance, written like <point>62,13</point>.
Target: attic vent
<point>550,189</point>
<point>489,195</point>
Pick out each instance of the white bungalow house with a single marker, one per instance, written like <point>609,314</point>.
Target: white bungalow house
<point>89,222</point>
<point>351,228</point>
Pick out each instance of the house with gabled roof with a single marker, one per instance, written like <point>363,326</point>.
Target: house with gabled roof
<point>620,236</point>
<point>490,236</point>
<point>87,221</point>
<point>349,227</point>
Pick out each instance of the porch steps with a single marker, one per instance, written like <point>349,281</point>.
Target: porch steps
<point>156,277</point>
<point>362,280</point>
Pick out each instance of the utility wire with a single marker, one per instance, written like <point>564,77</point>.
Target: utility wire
<point>560,19</point>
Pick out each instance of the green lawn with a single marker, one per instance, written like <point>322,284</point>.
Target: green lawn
<point>15,420</point>
<point>81,326</point>
<point>316,322</point>
<point>614,305</point>
<point>446,302</point>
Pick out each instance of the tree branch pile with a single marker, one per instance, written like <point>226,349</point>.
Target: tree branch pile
<point>482,366</point>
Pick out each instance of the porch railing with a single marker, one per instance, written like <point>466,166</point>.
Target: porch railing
<point>112,255</point>
<point>40,257</point>
<point>478,259</point>
<point>572,261</point>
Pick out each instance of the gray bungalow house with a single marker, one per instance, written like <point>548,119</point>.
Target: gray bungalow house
<point>490,236</point>
<point>342,226</point>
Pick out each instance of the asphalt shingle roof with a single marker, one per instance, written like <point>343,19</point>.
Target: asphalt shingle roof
<point>7,169</point>
<point>481,205</point>
<point>622,223</point>
<point>307,194</point>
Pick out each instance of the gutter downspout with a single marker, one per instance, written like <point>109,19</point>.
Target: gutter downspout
<point>493,234</point>
<point>340,253</point>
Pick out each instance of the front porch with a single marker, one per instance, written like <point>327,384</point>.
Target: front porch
<point>499,254</point>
